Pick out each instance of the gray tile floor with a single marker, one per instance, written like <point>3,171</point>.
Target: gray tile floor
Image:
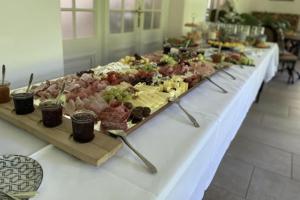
<point>263,162</point>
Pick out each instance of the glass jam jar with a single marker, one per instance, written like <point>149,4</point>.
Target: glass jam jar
<point>83,126</point>
<point>166,48</point>
<point>51,113</point>
<point>4,92</point>
<point>23,102</point>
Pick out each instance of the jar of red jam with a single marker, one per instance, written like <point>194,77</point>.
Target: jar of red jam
<point>4,92</point>
<point>51,113</point>
<point>83,126</point>
<point>23,102</point>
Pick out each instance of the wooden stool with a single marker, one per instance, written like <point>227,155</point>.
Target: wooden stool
<point>288,62</point>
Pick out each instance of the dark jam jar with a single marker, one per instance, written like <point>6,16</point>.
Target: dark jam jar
<point>166,49</point>
<point>83,126</point>
<point>4,92</point>
<point>51,113</point>
<point>23,103</point>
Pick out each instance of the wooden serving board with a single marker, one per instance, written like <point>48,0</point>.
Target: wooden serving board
<point>96,152</point>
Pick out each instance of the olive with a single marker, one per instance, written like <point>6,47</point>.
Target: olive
<point>128,105</point>
<point>146,111</point>
<point>136,119</point>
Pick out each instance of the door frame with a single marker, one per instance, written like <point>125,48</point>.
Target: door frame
<point>139,31</point>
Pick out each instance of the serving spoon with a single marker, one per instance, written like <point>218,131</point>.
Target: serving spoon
<point>29,83</point>
<point>152,169</point>
<point>3,74</point>
<point>191,118</point>
<point>60,94</point>
<point>211,81</point>
<point>229,74</point>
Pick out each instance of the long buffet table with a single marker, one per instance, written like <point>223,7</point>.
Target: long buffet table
<point>186,157</point>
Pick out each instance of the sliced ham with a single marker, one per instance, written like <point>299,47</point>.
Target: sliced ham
<point>96,106</point>
<point>79,104</point>
<point>87,78</point>
<point>114,118</point>
<point>107,125</point>
<point>70,107</point>
<point>203,69</point>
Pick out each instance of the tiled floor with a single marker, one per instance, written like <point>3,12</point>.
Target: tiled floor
<point>263,162</point>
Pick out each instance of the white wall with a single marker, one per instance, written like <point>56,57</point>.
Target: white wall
<point>196,9</point>
<point>183,11</point>
<point>269,6</point>
<point>175,19</point>
<point>243,6</point>
<point>30,39</point>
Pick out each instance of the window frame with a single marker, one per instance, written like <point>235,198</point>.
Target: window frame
<point>122,10</point>
<point>74,11</point>
<point>152,10</point>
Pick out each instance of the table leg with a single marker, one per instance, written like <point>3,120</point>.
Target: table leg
<point>259,92</point>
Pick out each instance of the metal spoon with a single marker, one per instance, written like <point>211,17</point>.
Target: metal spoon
<point>29,83</point>
<point>3,74</point>
<point>191,118</point>
<point>223,90</point>
<point>152,169</point>
<point>60,93</point>
<point>229,74</point>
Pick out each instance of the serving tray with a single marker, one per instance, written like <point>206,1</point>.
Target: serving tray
<point>96,152</point>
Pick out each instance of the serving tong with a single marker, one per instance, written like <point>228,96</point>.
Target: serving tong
<point>151,168</point>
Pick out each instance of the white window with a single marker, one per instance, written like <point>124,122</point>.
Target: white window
<point>152,14</point>
<point>77,18</point>
<point>122,16</point>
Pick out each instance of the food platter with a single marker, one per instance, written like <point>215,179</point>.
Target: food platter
<point>121,101</point>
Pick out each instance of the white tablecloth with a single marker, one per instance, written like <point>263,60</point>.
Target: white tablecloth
<point>186,157</point>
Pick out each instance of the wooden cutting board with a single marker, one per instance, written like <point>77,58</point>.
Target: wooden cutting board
<point>96,152</point>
